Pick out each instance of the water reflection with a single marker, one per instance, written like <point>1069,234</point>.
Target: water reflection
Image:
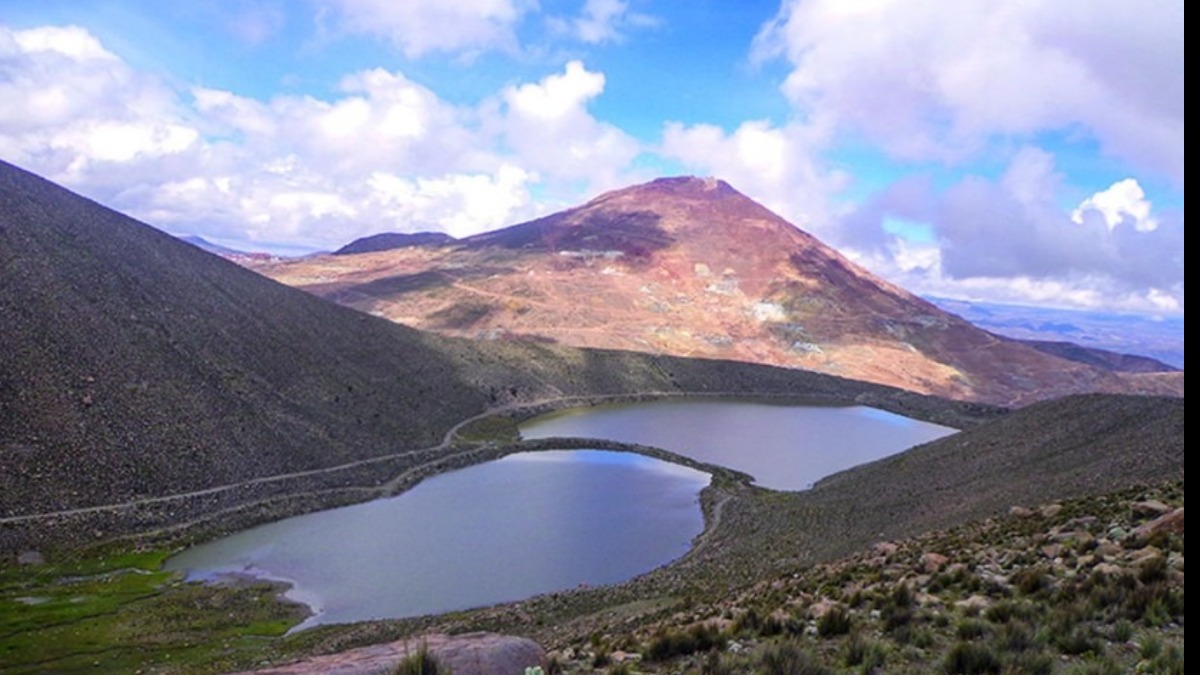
<point>785,447</point>
<point>500,531</point>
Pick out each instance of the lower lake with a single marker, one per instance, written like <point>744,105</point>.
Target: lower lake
<point>783,446</point>
<point>504,530</point>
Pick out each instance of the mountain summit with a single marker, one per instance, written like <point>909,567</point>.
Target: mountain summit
<point>692,267</point>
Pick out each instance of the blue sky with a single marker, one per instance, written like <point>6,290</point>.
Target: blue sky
<point>1014,152</point>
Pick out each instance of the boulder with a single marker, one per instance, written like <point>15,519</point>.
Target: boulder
<point>1021,512</point>
<point>933,562</point>
<point>1151,508</point>
<point>1169,522</point>
<point>466,654</point>
<point>1050,510</point>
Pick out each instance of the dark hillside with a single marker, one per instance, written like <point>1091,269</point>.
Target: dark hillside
<point>387,241</point>
<point>1077,445</point>
<point>135,365</point>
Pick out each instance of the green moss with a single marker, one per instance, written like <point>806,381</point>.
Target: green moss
<point>122,613</point>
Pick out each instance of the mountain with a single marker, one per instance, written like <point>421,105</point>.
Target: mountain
<point>1101,358</point>
<point>1156,337</point>
<point>691,267</point>
<point>137,368</point>
<point>206,245</point>
<point>392,240</point>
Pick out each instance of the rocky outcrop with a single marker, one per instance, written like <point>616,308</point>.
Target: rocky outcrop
<point>467,654</point>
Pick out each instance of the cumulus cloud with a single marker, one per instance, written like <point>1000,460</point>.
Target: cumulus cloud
<point>779,166</point>
<point>382,154</point>
<point>1011,240</point>
<point>938,79</point>
<point>419,27</point>
<point>71,106</point>
<point>549,128</point>
<point>601,21</point>
<point>1123,200</point>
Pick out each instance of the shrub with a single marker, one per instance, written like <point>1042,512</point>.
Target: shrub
<point>420,663</point>
<point>1030,663</point>
<point>1016,636</point>
<point>834,622</point>
<point>669,643</point>
<point>789,659</point>
<point>971,629</point>
<point>1031,580</point>
<point>1007,610</point>
<point>1078,641</point>
<point>1123,631</point>
<point>860,651</point>
<point>970,658</point>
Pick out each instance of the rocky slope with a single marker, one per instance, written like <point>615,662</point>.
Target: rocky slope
<point>691,267</point>
<point>1095,584</point>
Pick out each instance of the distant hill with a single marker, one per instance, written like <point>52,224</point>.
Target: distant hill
<point>204,244</point>
<point>1159,338</point>
<point>1101,358</point>
<point>136,366</point>
<point>393,240</point>
<point>691,267</point>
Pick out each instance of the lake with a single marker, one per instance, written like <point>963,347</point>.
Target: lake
<point>537,522</point>
<point>503,530</point>
<point>783,446</point>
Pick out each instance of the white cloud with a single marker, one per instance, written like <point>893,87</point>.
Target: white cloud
<point>777,166</point>
<point>383,153</point>
<point>1123,199</point>
<point>419,27</point>
<point>70,41</point>
<point>460,205</point>
<point>72,108</point>
<point>939,78</point>
<point>1010,240</point>
<point>549,128</point>
<point>601,21</point>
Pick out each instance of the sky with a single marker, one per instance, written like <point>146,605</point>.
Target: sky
<point>1023,151</point>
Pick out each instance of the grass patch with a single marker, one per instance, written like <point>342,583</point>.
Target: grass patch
<point>122,614</point>
<point>495,428</point>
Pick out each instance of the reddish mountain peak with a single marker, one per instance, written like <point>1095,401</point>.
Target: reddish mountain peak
<point>687,187</point>
<point>641,219</point>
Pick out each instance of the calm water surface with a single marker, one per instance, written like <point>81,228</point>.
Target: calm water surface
<point>785,447</point>
<point>505,530</point>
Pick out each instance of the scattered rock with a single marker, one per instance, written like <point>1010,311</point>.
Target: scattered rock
<point>1151,508</point>
<point>1143,554</point>
<point>1170,522</point>
<point>884,548</point>
<point>1021,512</point>
<point>31,558</point>
<point>933,562</point>
<point>820,608</point>
<point>974,603</point>
<point>1081,523</point>
<point>1050,510</point>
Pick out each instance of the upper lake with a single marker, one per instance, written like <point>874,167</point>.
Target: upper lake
<point>783,446</point>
